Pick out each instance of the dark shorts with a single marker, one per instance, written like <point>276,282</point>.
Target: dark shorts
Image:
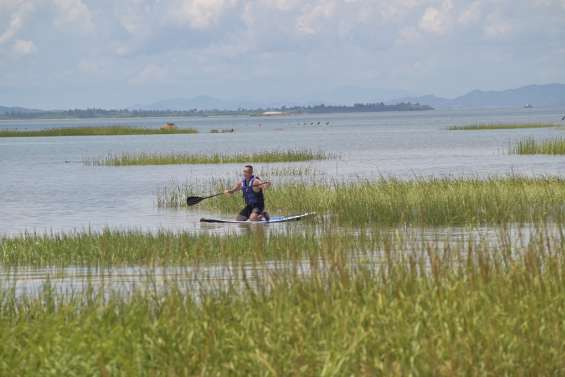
<point>248,210</point>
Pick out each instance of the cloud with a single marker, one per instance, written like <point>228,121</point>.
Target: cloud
<point>239,45</point>
<point>314,17</point>
<point>497,28</point>
<point>200,14</point>
<point>74,12</point>
<point>471,14</point>
<point>23,47</point>
<point>437,20</point>
<point>18,10</point>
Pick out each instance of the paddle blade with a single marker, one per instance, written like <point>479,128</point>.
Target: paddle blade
<point>192,200</point>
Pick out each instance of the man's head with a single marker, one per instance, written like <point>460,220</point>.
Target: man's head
<point>247,171</point>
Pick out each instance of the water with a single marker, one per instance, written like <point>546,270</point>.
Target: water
<point>45,188</point>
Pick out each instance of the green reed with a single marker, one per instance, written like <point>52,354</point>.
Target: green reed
<point>95,131</point>
<point>426,201</point>
<point>533,146</point>
<point>467,308</point>
<point>500,126</point>
<point>127,159</point>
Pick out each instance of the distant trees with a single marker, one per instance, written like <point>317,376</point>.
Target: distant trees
<point>127,113</point>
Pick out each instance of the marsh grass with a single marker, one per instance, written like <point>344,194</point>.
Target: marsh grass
<point>433,201</point>
<point>288,171</point>
<point>95,131</point>
<point>465,309</point>
<point>128,159</point>
<point>500,126</point>
<point>532,146</point>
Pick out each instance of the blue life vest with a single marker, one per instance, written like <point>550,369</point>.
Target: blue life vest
<point>251,197</point>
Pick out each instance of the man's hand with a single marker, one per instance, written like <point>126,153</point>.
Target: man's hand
<point>228,192</point>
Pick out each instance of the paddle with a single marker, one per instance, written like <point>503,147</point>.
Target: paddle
<point>193,200</point>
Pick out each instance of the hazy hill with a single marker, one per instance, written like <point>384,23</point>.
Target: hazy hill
<point>535,95</point>
<point>15,110</point>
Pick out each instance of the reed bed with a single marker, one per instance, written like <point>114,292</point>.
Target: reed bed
<point>112,248</point>
<point>532,146</point>
<point>388,201</point>
<point>500,126</point>
<point>495,311</point>
<point>128,159</point>
<point>95,131</point>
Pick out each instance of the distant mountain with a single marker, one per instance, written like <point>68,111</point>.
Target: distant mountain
<point>199,102</point>
<point>345,95</point>
<point>15,110</point>
<point>535,95</point>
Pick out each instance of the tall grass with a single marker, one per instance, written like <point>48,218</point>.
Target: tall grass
<point>500,126</point>
<point>469,309</point>
<point>127,159</point>
<point>95,131</point>
<point>533,146</point>
<point>433,201</point>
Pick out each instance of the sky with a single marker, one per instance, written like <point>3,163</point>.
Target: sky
<point>117,53</point>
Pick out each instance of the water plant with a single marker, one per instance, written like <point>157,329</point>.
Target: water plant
<point>95,131</point>
<point>127,159</point>
<point>500,126</point>
<point>431,309</point>
<point>390,201</point>
<point>532,146</point>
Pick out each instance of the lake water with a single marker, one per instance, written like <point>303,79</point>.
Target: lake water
<point>45,188</point>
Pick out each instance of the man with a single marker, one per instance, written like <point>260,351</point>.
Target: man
<point>252,188</point>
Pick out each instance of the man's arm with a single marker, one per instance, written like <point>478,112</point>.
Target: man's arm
<point>260,184</point>
<point>234,189</point>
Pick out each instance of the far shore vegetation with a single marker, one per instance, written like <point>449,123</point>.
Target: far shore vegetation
<point>21,113</point>
<point>95,131</point>
<point>500,126</point>
<point>142,158</point>
<point>532,146</point>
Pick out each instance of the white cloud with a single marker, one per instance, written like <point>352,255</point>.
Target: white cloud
<point>200,14</point>
<point>471,14</point>
<point>19,11</point>
<point>74,12</point>
<point>23,47</point>
<point>313,18</point>
<point>437,20</point>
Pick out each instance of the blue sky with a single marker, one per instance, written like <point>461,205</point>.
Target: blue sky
<point>78,53</point>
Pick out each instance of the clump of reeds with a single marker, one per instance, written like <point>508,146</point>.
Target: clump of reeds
<point>433,201</point>
<point>532,146</point>
<point>127,159</point>
<point>500,126</point>
<point>95,131</point>
<point>430,309</point>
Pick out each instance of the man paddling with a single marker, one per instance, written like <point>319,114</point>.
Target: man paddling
<point>252,188</point>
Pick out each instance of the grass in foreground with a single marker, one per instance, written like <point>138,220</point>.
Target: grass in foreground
<point>532,146</point>
<point>434,201</point>
<point>95,131</point>
<point>500,126</point>
<point>128,159</point>
<point>467,310</point>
